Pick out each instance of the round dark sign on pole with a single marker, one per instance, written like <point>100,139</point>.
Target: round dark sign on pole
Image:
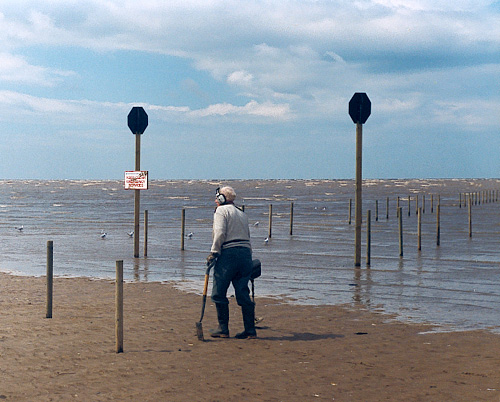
<point>137,120</point>
<point>360,108</point>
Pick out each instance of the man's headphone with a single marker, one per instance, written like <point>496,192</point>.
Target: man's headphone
<point>221,198</point>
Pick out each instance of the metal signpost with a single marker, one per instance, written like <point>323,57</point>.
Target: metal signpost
<point>359,110</point>
<point>137,122</point>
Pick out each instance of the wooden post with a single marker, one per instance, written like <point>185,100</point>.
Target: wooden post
<point>416,204</point>
<point>119,307</point>
<point>183,223</point>
<point>368,236</point>
<point>438,225</point>
<point>409,205</point>
<point>358,199</point>
<point>270,220</point>
<point>146,233</point>
<point>376,210</point>
<point>423,203</point>
<point>137,196</point>
<point>432,203</point>
<point>419,229</point>
<point>350,210</point>
<point>459,200</point>
<point>400,225</point>
<point>470,217</point>
<point>50,277</point>
<point>387,208</point>
<point>291,218</point>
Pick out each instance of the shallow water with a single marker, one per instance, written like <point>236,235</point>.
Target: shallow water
<point>455,285</point>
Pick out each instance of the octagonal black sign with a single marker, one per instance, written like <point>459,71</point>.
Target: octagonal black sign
<point>360,107</point>
<point>137,120</point>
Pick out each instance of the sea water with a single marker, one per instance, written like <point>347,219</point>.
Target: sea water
<point>455,285</point>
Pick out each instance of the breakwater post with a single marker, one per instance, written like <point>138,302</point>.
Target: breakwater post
<point>269,233</point>
<point>146,233</point>
<point>350,210</point>
<point>470,216</point>
<point>291,218</point>
<point>368,236</point>
<point>50,277</point>
<point>438,225</point>
<point>419,228</point>
<point>119,307</point>
<point>183,226</point>
<point>400,226</point>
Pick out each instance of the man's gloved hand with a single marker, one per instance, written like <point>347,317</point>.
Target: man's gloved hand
<point>211,258</point>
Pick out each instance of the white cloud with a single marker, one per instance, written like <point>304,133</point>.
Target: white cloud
<point>474,114</point>
<point>430,5</point>
<point>16,69</point>
<point>252,108</point>
<point>23,103</point>
<point>393,105</point>
<point>241,77</point>
<point>19,104</point>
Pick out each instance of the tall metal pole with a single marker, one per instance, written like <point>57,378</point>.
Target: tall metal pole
<point>137,196</point>
<point>358,197</point>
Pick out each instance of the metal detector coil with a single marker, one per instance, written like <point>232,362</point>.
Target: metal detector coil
<point>256,269</point>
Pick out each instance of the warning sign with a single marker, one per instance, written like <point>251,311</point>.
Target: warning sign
<point>136,180</point>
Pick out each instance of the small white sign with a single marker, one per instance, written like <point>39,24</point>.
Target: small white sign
<point>136,180</point>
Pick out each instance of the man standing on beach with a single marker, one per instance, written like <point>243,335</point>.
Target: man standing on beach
<point>232,252</point>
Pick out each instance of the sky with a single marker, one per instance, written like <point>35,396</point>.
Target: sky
<point>249,89</point>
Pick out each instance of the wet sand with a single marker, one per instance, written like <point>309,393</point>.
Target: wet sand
<point>303,353</point>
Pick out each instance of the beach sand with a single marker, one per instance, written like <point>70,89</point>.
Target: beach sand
<point>303,353</point>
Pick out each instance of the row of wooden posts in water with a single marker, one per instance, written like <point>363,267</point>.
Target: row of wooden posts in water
<point>465,199</point>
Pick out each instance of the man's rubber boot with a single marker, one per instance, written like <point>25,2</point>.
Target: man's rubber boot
<point>249,323</point>
<point>223,317</point>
